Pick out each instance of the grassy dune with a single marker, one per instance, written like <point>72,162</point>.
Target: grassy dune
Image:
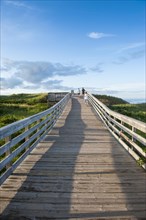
<point>137,111</point>
<point>17,107</point>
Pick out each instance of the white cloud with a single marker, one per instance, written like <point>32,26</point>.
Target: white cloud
<point>10,83</point>
<point>40,76</point>
<point>98,35</point>
<point>130,52</point>
<point>31,75</point>
<point>97,68</point>
<point>125,91</point>
<point>18,3</point>
<point>129,56</point>
<point>132,46</point>
<point>39,71</point>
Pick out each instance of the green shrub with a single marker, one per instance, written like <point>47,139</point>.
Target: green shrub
<point>137,111</point>
<point>110,100</point>
<point>19,106</point>
<point>8,119</point>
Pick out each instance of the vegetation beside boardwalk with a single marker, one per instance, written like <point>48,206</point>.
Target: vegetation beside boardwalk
<point>110,100</point>
<point>19,106</point>
<point>137,111</point>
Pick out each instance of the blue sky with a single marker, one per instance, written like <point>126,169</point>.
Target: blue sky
<point>63,45</point>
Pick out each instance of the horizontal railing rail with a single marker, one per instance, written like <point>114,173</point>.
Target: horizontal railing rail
<point>129,132</point>
<point>19,138</point>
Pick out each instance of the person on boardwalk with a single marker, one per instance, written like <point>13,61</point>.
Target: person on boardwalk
<point>83,91</point>
<point>78,91</point>
<point>86,98</point>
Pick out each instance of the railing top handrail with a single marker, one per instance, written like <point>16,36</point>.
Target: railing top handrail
<point>5,131</point>
<point>134,122</point>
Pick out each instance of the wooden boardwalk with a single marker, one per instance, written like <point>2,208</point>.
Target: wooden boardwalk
<point>79,171</point>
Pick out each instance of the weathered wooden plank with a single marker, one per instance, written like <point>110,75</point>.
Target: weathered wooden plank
<point>7,162</point>
<point>116,127</point>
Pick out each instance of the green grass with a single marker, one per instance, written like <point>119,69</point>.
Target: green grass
<point>110,100</point>
<point>137,111</point>
<point>29,99</point>
<point>17,107</point>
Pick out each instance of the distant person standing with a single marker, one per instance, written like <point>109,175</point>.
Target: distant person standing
<point>86,98</point>
<point>78,91</point>
<point>83,91</point>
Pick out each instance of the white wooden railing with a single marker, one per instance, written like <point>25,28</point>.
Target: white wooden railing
<point>128,131</point>
<point>22,136</point>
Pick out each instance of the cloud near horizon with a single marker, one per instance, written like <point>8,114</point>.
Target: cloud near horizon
<point>38,72</point>
<point>49,85</point>
<point>98,35</point>
<point>31,75</point>
<point>130,52</point>
<point>10,83</point>
<point>34,75</point>
<point>97,68</point>
<point>34,72</point>
<point>129,56</point>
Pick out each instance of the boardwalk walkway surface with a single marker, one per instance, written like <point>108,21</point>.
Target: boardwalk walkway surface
<point>79,171</point>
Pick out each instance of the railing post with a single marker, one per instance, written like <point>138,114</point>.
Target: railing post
<point>38,121</point>
<point>26,129</point>
<point>27,138</point>
<point>121,131</point>
<point>133,139</point>
<point>57,113</point>
<point>8,152</point>
<point>133,129</point>
<point>113,125</point>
